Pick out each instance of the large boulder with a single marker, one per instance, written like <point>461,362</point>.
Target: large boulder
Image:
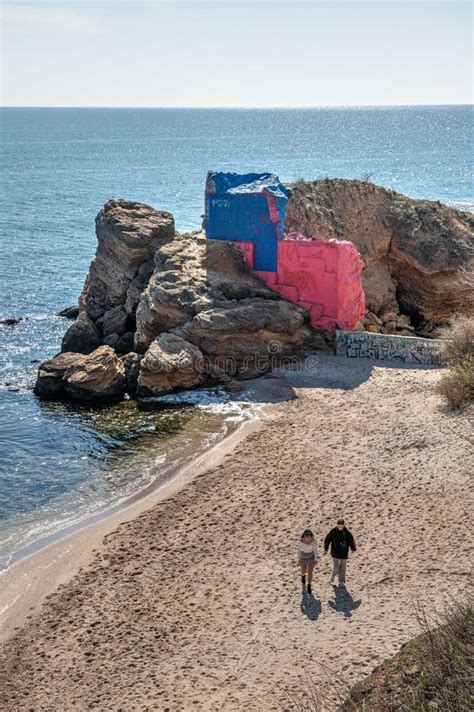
<point>97,376</point>
<point>192,274</point>
<point>128,235</point>
<point>82,337</point>
<point>414,251</point>
<point>49,381</point>
<point>247,337</point>
<point>170,363</point>
<point>113,321</point>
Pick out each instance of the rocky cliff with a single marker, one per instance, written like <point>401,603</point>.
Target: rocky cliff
<point>415,251</point>
<point>161,310</point>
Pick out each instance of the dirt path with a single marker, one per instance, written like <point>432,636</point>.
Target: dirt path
<point>196,603</point>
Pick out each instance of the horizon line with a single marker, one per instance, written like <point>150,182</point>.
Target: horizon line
<point>237,107</point>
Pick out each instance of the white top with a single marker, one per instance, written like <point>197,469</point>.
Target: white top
<point>311,548</point>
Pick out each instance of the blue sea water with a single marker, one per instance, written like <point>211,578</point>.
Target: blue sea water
<point>59,166</point>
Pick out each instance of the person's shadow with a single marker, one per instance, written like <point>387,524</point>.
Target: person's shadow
<point>343,602</point>
<point>311,606</point>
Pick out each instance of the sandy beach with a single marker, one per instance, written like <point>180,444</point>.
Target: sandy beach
<point>194,601</point>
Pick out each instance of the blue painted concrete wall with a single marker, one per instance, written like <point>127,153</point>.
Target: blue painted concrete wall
<point>247,207</point>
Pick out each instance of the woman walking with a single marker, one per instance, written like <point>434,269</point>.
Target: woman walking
<point>307,557</point>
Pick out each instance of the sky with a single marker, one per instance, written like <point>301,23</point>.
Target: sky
<point>262,53</point>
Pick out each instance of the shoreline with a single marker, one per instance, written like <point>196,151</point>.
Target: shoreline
<point>32,576</point>
<point>197,596</point>
<point>171,469</point>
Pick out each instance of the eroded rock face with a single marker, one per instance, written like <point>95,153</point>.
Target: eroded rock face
<point>113,321</point>
<point>413,250</point>
<point>431,249</point>
<point>247,337</point>
<point>49,382</point>
<point>82,337</point>
<point>128,235</point>
<point>191,275</point>
<point>170,363</point>
<point>97,376</point>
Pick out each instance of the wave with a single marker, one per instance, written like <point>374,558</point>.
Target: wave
<point>466,205</point>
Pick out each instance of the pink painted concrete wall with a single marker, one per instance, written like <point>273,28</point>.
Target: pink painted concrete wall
<point>322,276</point>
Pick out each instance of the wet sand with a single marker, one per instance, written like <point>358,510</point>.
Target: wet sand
<point>196,602</point>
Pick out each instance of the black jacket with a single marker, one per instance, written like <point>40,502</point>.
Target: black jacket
<point>340,541</point>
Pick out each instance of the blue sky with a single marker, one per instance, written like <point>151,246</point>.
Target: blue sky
<point>226,53</point>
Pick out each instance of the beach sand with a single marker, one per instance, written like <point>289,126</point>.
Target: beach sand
<point>196,603</point>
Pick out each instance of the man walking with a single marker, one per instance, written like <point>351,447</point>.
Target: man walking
<point>340,540</point>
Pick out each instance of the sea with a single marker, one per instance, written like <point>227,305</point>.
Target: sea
<point>61,464</point>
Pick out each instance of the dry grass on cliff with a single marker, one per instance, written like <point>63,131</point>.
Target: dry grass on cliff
<point>433,672</point>
<point>457,384</point>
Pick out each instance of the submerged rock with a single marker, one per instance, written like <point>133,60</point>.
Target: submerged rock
<point>69,312</point>
<point>11,321</point>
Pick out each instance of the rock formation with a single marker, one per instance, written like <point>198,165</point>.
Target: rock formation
<point>242,338</point>
<point>99,376</point>
<point>128,236</point>
<point>414,250</point>
<point>69,312</point>
<point>49,382</point>
<point>131,362</point>
<point>83,336</point>
<point>161,311</point>
<point>178,309</point>
<point>170,362</point>
<point>193,274</point>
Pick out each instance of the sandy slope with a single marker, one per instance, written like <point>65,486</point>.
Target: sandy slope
<point>196,603</point>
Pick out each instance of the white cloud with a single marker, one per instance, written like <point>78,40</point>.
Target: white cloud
<point>48,15</point>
